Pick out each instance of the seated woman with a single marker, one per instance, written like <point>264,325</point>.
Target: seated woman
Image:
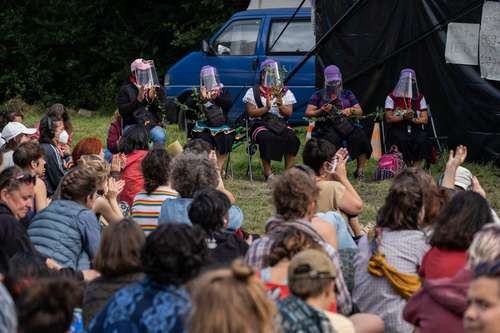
<point>386,269</point>
<point>108,189</point>
<point>67,230</point>
<point>192,173</point>
<point>119,263</point>
<point>294,196</point>
<point>29,157</point>
<point>213,105</point>
<point>269,106</point>
<point>336,192</point>
<point>210,211</point>
<point>87,146</point>
<point>134,144</point>
<point>406,113</point>
<point>147,204</point>
<point>331,107</point>
<point>53,134</point>
<point>13,134</point>
<point>453,231</point>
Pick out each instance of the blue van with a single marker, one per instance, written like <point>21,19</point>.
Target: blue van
<point>237,49</point>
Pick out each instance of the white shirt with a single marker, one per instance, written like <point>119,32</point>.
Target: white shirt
<point>288,99</point>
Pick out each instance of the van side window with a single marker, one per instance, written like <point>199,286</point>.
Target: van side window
<point>239,38</point>
<point>297,38</point>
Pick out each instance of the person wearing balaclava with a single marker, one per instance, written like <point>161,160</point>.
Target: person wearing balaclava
<point>406,113</point>
<point>210,109</point>
<point>334,110</point>
<point>141,100</point>
<point>268,106</point>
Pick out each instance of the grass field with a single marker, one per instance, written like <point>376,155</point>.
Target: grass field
<point>255,197</point>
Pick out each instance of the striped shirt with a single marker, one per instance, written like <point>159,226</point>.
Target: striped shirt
<point>146,207</point>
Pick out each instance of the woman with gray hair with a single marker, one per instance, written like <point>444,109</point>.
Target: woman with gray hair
<point>192,173</point>
<point>440,304</point>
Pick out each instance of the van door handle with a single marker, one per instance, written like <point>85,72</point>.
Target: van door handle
<point>255,63</point>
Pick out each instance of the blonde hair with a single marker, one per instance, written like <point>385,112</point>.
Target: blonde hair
<point>98,166</point>
<point>485,246</point>
<point>241,303</point>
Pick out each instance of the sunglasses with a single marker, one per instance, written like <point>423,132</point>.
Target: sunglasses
<point>487,269</point>
<point>26,178</point>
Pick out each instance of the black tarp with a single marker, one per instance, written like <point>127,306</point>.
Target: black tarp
<point>465,107</point>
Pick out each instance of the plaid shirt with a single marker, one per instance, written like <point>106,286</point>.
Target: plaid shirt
<point>261,247</point>
<point>298,316</point>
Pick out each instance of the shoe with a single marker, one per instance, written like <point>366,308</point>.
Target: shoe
<point>269,177</point>
<point>359,175</point>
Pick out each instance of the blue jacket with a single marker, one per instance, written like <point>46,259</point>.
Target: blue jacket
<point>67,232</point>
<point>176,211</point>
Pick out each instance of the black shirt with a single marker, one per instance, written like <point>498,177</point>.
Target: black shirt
<point>13,235</point>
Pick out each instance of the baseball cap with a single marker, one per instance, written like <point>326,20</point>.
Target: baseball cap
<point>463,178</point>
<point>311,264</point>
<point>13,129</point>
<point>332,73</point>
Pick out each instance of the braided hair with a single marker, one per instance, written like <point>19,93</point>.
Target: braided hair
<point>78,184</point>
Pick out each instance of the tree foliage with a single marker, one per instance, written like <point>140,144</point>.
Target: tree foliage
<point>78,52</point>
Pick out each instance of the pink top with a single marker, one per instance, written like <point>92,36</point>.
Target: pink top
<point>440,263</point>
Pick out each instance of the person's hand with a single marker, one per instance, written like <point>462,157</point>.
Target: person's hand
<point>141,94</point>
<point>279,101</point>
<point>90,274</point>
<point>203,92</point>
<point>346,112</point>
<point>476,187</point>
<point>457,157</point>
<point>268,103</point>
<point>408,115</point>
<point>249,240</point>
<point>340,173</point>
<point>52,264</point>
<point>115,187</point>
<point>327,107</point>
<point>151,94</point>
<point>118,162</point>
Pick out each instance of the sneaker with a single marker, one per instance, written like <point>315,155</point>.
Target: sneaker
<point>269,178</point>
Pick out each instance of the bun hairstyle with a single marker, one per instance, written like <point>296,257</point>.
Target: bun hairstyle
<point>239,294</point>
<point>78,184</point>
<point>240,271</point>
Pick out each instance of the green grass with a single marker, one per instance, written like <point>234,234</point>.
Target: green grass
<point>255,197</point>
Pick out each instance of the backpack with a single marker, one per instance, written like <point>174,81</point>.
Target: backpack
<point>389,164</point>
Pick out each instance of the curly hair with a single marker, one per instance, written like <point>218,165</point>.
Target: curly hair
<point>98,166</point>
<point>460,220</point>
<point>191,173</point>
<point>208,209</point>
<point>317,152</point>
<point>174,254</point>
<point>198,146</point>
<point>288,242</point>
<point>155,169</point>
<point>238,293</point>
<point>404,202</point>
<point>78,184</point>
<point>47,306</point>
<point>58,111</point>
<point>120,249</point>
<point>86,146</point>
<point>293,193</point>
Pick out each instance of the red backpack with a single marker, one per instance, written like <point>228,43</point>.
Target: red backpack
<point>389,164</point>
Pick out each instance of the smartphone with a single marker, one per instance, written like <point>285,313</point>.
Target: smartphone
<point>333,165</point>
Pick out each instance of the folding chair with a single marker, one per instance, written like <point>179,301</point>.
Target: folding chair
<point>243,137</point>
